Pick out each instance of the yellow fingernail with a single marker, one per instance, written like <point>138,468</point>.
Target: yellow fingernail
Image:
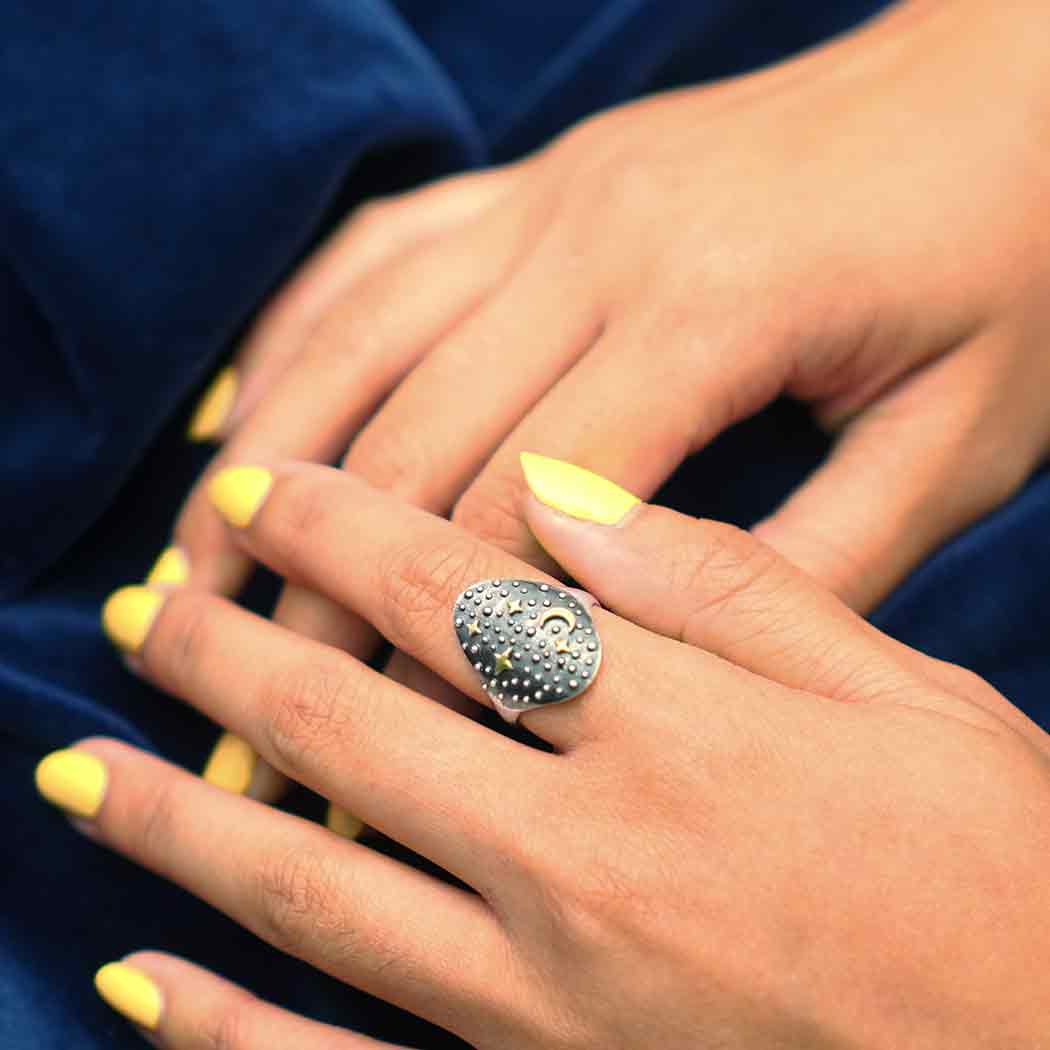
<point>171,569</point>
<point>343,823</point>
<point>214,407</point>
<point>231,765</point>
<point>128,615</point>
<point>72,780</point>
<point>130,992</point>
<point>238,492</point>
<point>574,491</point>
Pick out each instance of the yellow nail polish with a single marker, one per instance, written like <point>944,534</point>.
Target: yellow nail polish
<point>214,407</point>
<point>238,492</point>
<point>128,615</point>
<point>171,569</point>
<point>343,823</point>
<point>231,765</point>
<point>574,491</point>
<point>72,780</point>
<point>130,992</point>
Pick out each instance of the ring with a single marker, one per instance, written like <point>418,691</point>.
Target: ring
<point>532,644</point>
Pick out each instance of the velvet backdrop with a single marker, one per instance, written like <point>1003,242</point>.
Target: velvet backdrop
<point>162,167</point>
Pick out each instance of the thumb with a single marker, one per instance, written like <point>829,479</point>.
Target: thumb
<point>942,450</point>
<point>702,582</point>
<point>721,589</point>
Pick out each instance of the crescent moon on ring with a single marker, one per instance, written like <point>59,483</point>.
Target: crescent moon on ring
<point>559,614</point>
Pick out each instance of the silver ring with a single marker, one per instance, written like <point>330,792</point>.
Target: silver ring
<point>532,644</point>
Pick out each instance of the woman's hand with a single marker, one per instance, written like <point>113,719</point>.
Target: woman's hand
<point>863,228</point>
<point>765,823</point>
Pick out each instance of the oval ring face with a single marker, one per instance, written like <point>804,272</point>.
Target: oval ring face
<point>532,644</point>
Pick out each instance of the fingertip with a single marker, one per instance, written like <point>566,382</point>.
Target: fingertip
<point>215,408</point>
<point>575,491</point>
<point>128,614</point>
<point>238,493</point>
<point>231,765</point>
<point>171,569</point>
<point>130,992</point>
<point>73,780</point>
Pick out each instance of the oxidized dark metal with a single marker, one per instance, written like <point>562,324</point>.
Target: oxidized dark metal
<point>532,644</point>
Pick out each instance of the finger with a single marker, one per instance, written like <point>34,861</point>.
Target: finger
<point>673,398</point>
<point>356,914</point>
<point>234,766</point>
<point>407,571</point>
<point>947,447</point>
<point>435,431</point>
<point>375,234</point>
<point>717,588</point>
<point>441,424</point>
<point>389,756</point>
<point>361,349</point>
<point>182,1006</point>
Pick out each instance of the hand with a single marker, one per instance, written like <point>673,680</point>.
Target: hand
<point>765,824</point>
<point>862,228</point>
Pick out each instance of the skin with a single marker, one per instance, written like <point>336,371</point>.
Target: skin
<point>766,824</point>
<point>862,228</point>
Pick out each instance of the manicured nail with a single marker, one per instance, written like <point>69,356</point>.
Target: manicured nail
<point>214,407</point>
<point>171,569</point>
<point>238,492</point>
<point>232,764</point>
<point>574,491</point>
<point>128,615</point>
<point>130,992</point>
<point>72,780</point>
<point>343,823</point>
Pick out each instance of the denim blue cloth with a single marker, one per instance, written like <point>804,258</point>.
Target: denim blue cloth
<point>162,167</point>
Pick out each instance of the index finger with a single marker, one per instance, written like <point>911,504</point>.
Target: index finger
<point>402,570</point>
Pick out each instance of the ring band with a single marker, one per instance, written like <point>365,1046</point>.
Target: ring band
<point>532,644</point>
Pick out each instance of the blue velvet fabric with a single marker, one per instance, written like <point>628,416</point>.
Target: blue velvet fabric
<point>162,167</point>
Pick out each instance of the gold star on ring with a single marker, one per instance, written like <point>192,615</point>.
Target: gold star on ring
<point>514,607</point>
<point>562,646</point>
<point>503,661</point>
<point>473,628</point>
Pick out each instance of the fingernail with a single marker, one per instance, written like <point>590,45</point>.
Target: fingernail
<point>128,615</point>
<point>343,823</point>
<point>238,492</point>
<point>574,491</point>
<point>130,992</point>
<point>214,407</point>
<point>231,764</point>
<point>171,569</point>
<point>72,780</point>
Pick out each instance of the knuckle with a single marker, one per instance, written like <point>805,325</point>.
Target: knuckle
<point>296,900</point>
<point>419,584</point>
<point>967,684</point>
<point>372,216</point>
<point>229,1028</point>
<point>303,707</point>
<point>392,458</point>
<point>492,512</point>
<point>719,571</point>
<point>305,508</point>
<point>154,822</point>
<point>182,636</point>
